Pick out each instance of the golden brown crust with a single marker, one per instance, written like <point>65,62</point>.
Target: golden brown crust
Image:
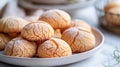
<point>54,47</point>
<point>56,18</point>
<point>79,40</point>
<point>20,48</point>
<point>38,31</point>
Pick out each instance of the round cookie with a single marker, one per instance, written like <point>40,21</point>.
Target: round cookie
<point>54,47</point>
<point>37,31</point>
<point>20,48</point>
<point>56,18</point>
<point>78,39</point>
<point>12,25</point>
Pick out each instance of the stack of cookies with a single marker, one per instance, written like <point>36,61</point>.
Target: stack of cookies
<point>53,34</point>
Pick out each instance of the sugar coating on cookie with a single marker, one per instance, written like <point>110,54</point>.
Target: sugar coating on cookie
<point>37,31</point>
<point>54,47</point>
<point>79,40</point>
<point>56,18</point>
<point>20,47</point>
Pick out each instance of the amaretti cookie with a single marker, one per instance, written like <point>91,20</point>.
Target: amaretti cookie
<point>56,18</point>
<point>4,39</point>
<point>37,31</point>
<point>78,39</point>
<point>12,25</point>
<point>20,47</point>
<point>54,47</point>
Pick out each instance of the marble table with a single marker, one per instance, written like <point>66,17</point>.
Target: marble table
<point>102,57</point>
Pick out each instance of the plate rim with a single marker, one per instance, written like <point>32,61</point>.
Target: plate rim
<point>24,58</point>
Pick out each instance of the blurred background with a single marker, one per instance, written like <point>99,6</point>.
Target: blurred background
<point>92,11</point>
<point>34,8</point>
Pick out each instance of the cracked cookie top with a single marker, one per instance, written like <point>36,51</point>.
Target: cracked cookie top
<point>78,39</point>
<point>20,47</point>
<point>54,47</point>
<point>37,31</point>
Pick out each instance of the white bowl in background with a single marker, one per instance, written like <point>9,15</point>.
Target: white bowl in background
<point>29,5</point>
<point>54,1</point>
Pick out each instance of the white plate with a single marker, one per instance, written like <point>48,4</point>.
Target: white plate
<point>55,61</point>
<point>67,7</point>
